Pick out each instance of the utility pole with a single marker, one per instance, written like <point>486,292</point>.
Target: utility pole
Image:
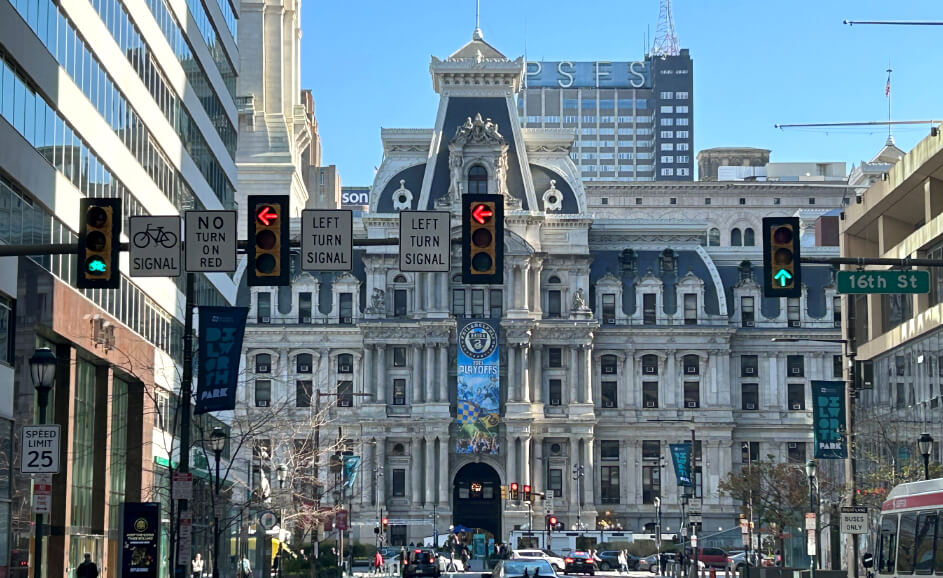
<point>186,392</point>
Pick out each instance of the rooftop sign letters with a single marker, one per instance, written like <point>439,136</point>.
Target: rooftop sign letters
<point>597,74</point>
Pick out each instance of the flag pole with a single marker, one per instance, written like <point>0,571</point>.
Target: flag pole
<point>887,93</point>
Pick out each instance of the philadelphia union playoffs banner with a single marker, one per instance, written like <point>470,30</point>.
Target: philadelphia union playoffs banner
<point>479,387</point>
<point>221,330</point>
<point>828,419</point>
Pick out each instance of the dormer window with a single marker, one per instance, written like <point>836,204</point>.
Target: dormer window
<point>477,179</point>
<point>629,261</point>
<point>745,270</point>
<point>667,261</point>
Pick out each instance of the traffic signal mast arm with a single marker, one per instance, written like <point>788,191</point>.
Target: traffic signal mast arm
<point>73,248</point>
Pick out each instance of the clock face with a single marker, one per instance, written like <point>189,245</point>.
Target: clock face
<point>478,340</point>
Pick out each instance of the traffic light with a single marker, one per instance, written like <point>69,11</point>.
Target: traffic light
<point>386,523</point>
<point>376,529</point>
<point>99,243</point>
<point>268,245</point>
<point>781,271</point>
<point>515,491</point>
<point>527,494</point>
<point>551,523</point>
<point>504,492</point>
<point>482,239</point>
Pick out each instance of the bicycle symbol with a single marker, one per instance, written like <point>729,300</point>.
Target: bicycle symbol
<point>157,235</point>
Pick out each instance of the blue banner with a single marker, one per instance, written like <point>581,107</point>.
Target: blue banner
<point>221,331</point>
<point>479,387</point>
<point>351,467</point>
<point>139,539</point>
<point>828,419</point>
<point>681,456</point>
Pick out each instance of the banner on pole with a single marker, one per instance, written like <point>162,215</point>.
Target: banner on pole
<point>351,467</point>
<point>681,456</point>
<point>828,419</point>
<point>139,541</point>
<point>479,387</point>
<point>220,346</point>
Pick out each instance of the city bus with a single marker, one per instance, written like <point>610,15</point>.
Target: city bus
<point>910,532</point>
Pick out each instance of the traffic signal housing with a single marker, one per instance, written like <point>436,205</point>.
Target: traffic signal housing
<point>782,275</point>
<point>482,239</point>
<point>515,491</point>
<point>99,243</point>
<point>504,492</point>
<point>551,523</point>
<point>527,493</point>
<point>268,247</point>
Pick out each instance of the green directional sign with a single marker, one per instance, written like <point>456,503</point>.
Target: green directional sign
<point>883,281</point>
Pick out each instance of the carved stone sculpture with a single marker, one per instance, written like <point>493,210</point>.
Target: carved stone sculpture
<point>402,197</point>
<point>553,198</point>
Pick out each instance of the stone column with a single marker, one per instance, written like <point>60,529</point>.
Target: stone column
<point>444,291</point>
<point>415,472</point>
<point>508,287</point>
<point>519,287</point>
<point>381,374</point>
<point>443,470</point>
<point>417,375</point>
<point>429,464</point>
<point>539,466</point>
<point>369,384</point>
<point>513,394</point>
<point>671,381</point>
<point>431,304</point>
<point>588,373</point>
<point>537,378</point>
<point>589,483</point>
<point>511,459</point>
<point>366,484</point>
<point>381,461</point>
<point>525,460</point>
<point>443,349</point>
<point>358,369</point>
<point>525,286</point>
<point>430,374</point>
<point>574,375</point>
<point>574,484</point>
<point>630,389</point>
<point>525,374</point>
<point>535,290</point>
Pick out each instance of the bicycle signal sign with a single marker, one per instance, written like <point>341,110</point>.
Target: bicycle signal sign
<point>155,246</point>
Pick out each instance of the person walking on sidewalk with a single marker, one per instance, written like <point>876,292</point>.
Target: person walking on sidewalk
<point>87,569</point>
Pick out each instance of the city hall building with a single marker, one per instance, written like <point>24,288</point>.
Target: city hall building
<point>630,315</point>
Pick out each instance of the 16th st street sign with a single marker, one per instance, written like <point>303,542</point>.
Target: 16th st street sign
<point>883,281</point>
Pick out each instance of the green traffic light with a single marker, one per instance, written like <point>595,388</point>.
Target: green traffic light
<point>783,277</point>
<point>96,265</point>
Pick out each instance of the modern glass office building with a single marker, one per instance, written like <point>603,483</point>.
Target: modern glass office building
<point>633,120</point>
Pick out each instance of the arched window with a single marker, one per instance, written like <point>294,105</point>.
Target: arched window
<point>477,179</point>
<point>553,279</point>
<point>713,237</point>
<point>303,363</point>
<point>398,450</point>
<point>345,363</point>
<point>263,363</point>
<point>736,240</point>
<point>748,240</point>
<point>400,279</point>
<point>609,365</point>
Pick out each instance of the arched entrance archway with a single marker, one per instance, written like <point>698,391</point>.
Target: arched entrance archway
<point>476,499</point>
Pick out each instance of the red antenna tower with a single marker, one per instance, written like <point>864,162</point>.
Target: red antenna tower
<point>666,39</point>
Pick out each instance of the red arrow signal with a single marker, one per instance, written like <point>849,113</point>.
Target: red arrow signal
<point>482,214</point>
<point>266,215</point>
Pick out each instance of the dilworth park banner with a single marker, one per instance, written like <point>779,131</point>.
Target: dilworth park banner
<point>828,419</point>
<point>221,331</point>
<point>479,387</point>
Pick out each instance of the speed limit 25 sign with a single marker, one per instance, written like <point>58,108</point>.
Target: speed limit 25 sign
<point>40,451</point>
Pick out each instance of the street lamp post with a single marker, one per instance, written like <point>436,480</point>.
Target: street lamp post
<point>925,444</point>
<point>810,468</point>
<point>578,474</point>
<point>218,443</point>
<point>42,371</point>
<point>281,474</point>
<point>749,548</point>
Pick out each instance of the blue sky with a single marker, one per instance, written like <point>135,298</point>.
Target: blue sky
<point>756,63</point>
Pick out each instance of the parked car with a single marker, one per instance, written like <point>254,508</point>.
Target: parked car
<point>534,554</point>
<point>711,557</point>
<point>610,560</point>
<point>523,567</point>
<point>421,562</point>
<point>738,560</point>
<point>650,563</point>
<point>579,563</point>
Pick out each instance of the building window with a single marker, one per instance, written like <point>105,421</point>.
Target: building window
<point>713,236</point>
<point>796,396</point>
<point>555,481</point>
<point>477,179</point>
<point>692,394</point>
<point>609,484</point>
<point>609,365</point>
<point>263,363</point>
<point>303,363</point>
<point>478,303</point>
<point>347,308</point>
<point>304,307</point>
<point>748,366</point>
<point>651,449</point>
<point>496,303</point>
<point>556,388</point>
<point>398,485</point>
<point>651,484</point>
<point>648,309</point>
<point>750,452</point>
<point>458,302</point>
<point>749,396</point>
<point>6,330</point>
<point>609,450</point>
<point>792,311</point>
<point>650,364</point>
<point>690,309</point>
<point>345,394</point>
<point>555,357</point>
<point>263,393</point>
<point>795,366</point>
<point>691,364</point>
<point>399,357</point>
<point>609,308</point>
<point>263,307</point>
<point>837,367</point>
<point>836,311</point>
<point>397,535</point>
<point>609,390</point>
<point>736,238</point>
<point>795,452</point>
<point>303,393</point>
<point>896,309</point>
<point>650,394</point>
<point>747,316</point>
<point>345,363</point>
<point>749,239</point>
<point>399,392</point>
<point>553,303</point>
<point>399,303</point>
